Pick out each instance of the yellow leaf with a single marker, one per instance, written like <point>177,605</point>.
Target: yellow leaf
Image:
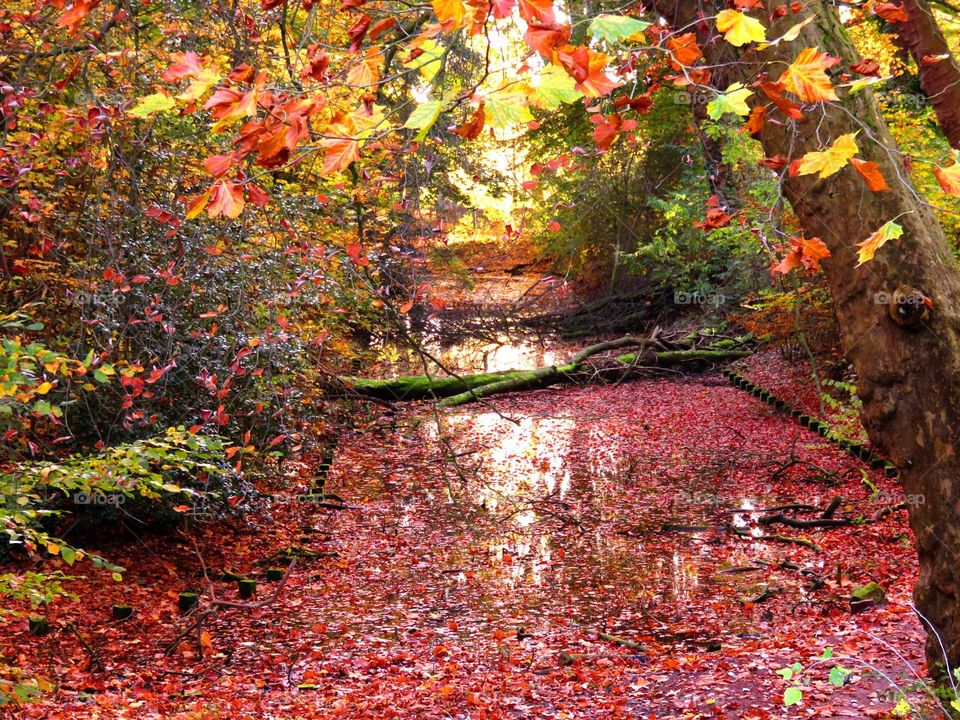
<point>203,80</point>
<point>453,10</point>
<point>43,388</point>
<point>827,162</point>
<point>53,548</point>
<point>739,28</point>
<point>197,204</point>
<point>949,178</point>
<point>868,248</point>
<point>806,76</point>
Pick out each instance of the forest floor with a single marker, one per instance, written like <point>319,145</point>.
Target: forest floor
<point>564,553</point>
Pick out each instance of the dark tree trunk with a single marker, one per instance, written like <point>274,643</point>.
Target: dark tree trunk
<point>921,37</point>
<point>908,378</point>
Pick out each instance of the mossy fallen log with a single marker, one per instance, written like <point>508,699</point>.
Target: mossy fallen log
<point>453,391</point>
<point>422,387</point>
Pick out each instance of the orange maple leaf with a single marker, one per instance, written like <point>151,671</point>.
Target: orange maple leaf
<point>227,200</point>
<point>227,106</point>
<point>756,121</point>
<point>870,172</point>
<point>774,91</point>
<point>588,68</point>
<point>453,11</point>
<point>806,76</point>
<point>893,14</point>
<point>76,14</point>
<point>807,252</point>
<point>341,152</point>
<point>684,50</point>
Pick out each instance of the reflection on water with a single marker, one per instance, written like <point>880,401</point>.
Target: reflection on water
<point>515,461</point>
<point>474,356</point>
<point>556,491</point>
<point>579,506</point>
<point>487,350</point>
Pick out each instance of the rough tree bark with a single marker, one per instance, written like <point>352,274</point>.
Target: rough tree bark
<point>921,37</point>
<point>908,378</point>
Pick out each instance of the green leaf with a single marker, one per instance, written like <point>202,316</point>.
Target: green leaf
<point>42,407</point>
<point>827,653</point>
<point>34,326</point>
<point>838,676</point>
<point>614,28</point>
<point>68,554</point>
<point>733,100</point>
<point>424,116</point>
<point>158,102</point>
<point>505,110</point>
<point>555,88</point>
<point>792,696</point>
<point>786,673</point>
<point>117,576</point>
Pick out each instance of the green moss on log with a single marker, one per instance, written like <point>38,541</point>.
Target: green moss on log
<point>454,391</point>
<point>422,387</point>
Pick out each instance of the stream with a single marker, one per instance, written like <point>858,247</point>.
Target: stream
<point>558,531</point>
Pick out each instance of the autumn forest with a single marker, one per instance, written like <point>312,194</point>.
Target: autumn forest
<point>479,359</point>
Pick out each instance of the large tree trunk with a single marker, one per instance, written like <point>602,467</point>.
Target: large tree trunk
<point>921,37</point>
<point>908,378</point>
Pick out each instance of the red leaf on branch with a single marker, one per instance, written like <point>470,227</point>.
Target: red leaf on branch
<point>472,128</point>
<point>355,252</point>
<point>358,31</point>
<point>716,217</point>
<point>76,14</point>
<point>588,68</point>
